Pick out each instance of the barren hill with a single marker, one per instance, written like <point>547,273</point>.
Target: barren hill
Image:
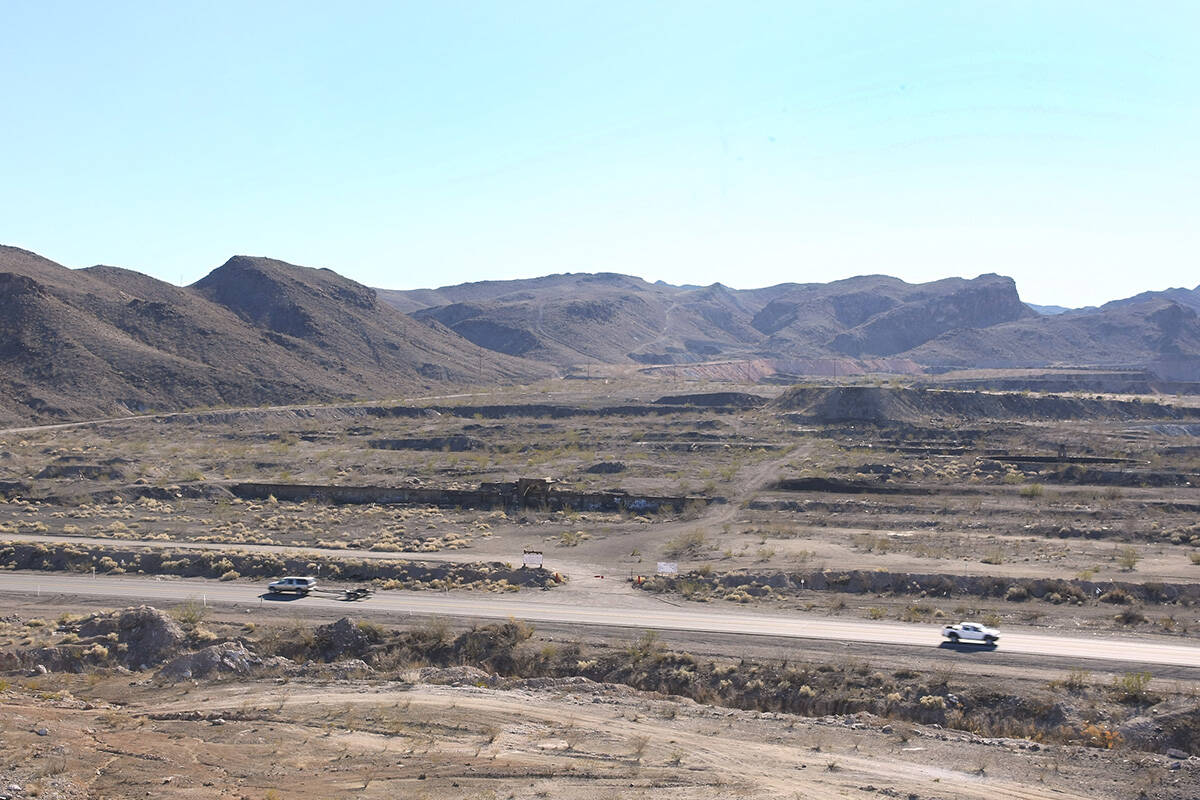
<point>1156,333</point>
<point>573,318</point>
<point>105,340</point>
<point>1184,297</point>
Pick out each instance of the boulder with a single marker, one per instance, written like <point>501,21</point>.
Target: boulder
<point>150,636</point>
<point>344,638</point>
<point>227,657</point>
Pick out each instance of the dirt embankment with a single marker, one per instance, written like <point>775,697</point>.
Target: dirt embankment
<point>504,655</point>
<point>844,486</point>
<point>448,444</point>
<point>501,495</point>
<point>1077,475</point>
<point>1076,710</point>
<point>14,489</point>
<point>233,564</point>
<point>341,413</point>
<point>714,399</point>
<point>743,586</point>
<point>834,404</point>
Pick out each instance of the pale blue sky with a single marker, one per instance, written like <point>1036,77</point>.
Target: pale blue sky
<point>422,144</point>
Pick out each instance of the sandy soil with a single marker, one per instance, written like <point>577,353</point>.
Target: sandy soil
<point>261,739</point>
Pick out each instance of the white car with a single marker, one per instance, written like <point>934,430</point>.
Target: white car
<point>296,585</point>
<point>970,632</point>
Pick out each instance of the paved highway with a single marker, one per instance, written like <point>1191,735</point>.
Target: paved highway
<point>642,613</point>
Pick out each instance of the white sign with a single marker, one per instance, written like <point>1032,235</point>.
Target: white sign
<point>532,559</point>
<point>668,568</point>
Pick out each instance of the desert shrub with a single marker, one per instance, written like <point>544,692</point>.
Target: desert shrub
<point>231,575</point>
<point>687,543</point>
<point>933,701</point>
<point>1131,687</point>
<point>1117,596</point>
<point>1130,616</point>
<point>1016,594</point>
<point>571,538</point>
<point>1077,680</point>
<point>373,630</point>
<point>1128,558</point>
<point>647,644</point>
<point>1098,735</point>
<point>189,612</point>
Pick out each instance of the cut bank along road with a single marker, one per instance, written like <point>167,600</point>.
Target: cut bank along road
<point>542,607</point>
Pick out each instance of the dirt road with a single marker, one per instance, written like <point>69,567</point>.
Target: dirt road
<point>241,410</point>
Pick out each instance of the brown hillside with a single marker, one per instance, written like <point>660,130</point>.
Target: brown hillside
<point>100,341</point>
<point>1140,334</point>
<point>569,319</point>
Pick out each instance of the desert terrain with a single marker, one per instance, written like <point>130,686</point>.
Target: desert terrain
<point>821,535</point>
<point>670,401</point>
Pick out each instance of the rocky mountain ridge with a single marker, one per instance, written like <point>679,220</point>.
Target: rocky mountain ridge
<point>107,341</point>
<point>572,319</point>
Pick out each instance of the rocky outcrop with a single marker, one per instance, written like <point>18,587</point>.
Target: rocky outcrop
<point>981,303</point>
<point>227,657</point>
<point>149,636</point>
<point>344,638</point>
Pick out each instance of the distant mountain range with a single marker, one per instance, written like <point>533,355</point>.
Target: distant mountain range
<point>108,341</point>
<point>954,323</point>
<point>1184,297</point>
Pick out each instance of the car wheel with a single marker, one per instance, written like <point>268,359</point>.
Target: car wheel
<point>953,638</point>
<point>990,639</point>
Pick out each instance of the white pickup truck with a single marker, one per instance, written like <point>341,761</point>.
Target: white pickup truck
<point>970,632</point>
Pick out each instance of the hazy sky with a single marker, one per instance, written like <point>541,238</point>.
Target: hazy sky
<point>422,144</point>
